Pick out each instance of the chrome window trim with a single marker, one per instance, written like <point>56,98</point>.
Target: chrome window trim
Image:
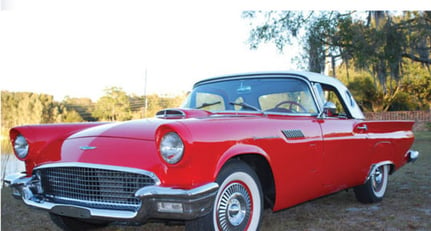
<point>302,78</point>
<point>291,114</point>
<point>226,113</point>
<point>309,77</point>
<point>102,166</point>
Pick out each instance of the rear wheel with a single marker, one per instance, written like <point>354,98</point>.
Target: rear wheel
<point>374,189</point>
<point>238,204</point>
<point>75,224</point>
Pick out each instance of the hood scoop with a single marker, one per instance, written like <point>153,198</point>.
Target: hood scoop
<point>182,114</point>
<point>170,114</point>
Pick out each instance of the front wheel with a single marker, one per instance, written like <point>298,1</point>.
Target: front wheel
<point>374,189</point>
<point>238,204</point>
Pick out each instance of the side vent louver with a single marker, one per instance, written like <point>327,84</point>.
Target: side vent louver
<point>293,133</point>
<point>170,114</point>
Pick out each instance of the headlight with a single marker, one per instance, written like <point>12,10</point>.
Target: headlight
<point>20,146</point>
<point>171,148</point>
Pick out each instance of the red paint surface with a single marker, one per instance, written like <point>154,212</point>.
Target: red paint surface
<point>333,154</point>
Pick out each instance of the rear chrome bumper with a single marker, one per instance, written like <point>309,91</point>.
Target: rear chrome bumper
<point>412,156</point>
<point>157,202</point>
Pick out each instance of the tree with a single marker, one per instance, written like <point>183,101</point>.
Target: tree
<point>20,108</point>
<point>83,106</point>
<point>416,83</point>
<point>157,103</point>
<point>71,116</point>
<point>113,106</point>
<point>368,37</point>
<point>412,93</point>
<point>379,42</point>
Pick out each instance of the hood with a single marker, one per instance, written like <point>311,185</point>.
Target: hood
<point>134,129</point>
<point>141,129</point>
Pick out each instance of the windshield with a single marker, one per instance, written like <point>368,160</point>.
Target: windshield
<point>278,95</point>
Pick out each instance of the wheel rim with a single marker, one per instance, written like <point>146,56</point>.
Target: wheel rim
<point>235,207</point>
<point>379,181</point>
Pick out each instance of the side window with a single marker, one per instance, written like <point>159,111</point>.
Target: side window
<point>295,99</point>
<point>332,95</point>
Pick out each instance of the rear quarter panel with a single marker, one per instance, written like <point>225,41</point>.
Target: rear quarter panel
<point>390,140</point>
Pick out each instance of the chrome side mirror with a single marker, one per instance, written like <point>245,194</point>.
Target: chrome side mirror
<point>329,109</point>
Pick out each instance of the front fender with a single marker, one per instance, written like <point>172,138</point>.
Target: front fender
<point>236,151</point>
<point>45,138</point>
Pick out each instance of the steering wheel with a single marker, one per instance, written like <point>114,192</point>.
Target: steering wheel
<point>291,103</point>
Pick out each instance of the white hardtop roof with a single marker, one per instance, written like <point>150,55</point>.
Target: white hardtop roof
<point>311,76</point>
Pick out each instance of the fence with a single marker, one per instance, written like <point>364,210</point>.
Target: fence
<point>422,118</point>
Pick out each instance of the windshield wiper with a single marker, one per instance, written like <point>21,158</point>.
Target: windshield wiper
<point>246,105</point>
<point>208,104</point>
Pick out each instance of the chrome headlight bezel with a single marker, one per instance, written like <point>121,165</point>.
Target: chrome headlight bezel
<point>20,146</point>
<point>171,148</point>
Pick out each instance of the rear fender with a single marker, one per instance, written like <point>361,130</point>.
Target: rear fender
<point>383,151</point>
<point>390,140</point>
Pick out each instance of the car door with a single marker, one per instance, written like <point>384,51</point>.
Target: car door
<point>345,146</point>
<point>297,155</point>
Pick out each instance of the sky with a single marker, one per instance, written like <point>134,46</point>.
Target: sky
<point>79,48</point>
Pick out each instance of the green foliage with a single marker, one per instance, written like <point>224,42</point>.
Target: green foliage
<point>114,106</point>
<point>391,50</point>
<point>403,102</point>
<point>156,103</point>
<point>375,41</point>
<point>83,106</point>
<point>364,92</point>
<point>416,82</point>
<point>281,27</point>
<point>412,92</point>
<point>20,108</point>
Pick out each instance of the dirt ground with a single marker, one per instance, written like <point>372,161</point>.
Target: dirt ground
<point>406,206</point>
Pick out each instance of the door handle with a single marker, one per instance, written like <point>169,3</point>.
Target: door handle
<point>363,127</point>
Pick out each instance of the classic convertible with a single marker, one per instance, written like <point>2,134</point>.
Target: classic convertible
<point>239,144</point>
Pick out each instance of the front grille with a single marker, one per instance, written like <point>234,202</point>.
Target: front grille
<point>93,187</point>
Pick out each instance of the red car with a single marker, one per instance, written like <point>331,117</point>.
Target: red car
<point>239,144</point>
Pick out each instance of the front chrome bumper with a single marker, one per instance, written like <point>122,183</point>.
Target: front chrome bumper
<point>157,202</point>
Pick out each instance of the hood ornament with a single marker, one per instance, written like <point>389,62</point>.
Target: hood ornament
<point>87,147</point>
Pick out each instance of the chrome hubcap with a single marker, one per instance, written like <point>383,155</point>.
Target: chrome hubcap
<point>234,208</point>
<point>236,211</point>
<point>378,179</point>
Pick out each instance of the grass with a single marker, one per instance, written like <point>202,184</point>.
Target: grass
<point>406,206</point>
